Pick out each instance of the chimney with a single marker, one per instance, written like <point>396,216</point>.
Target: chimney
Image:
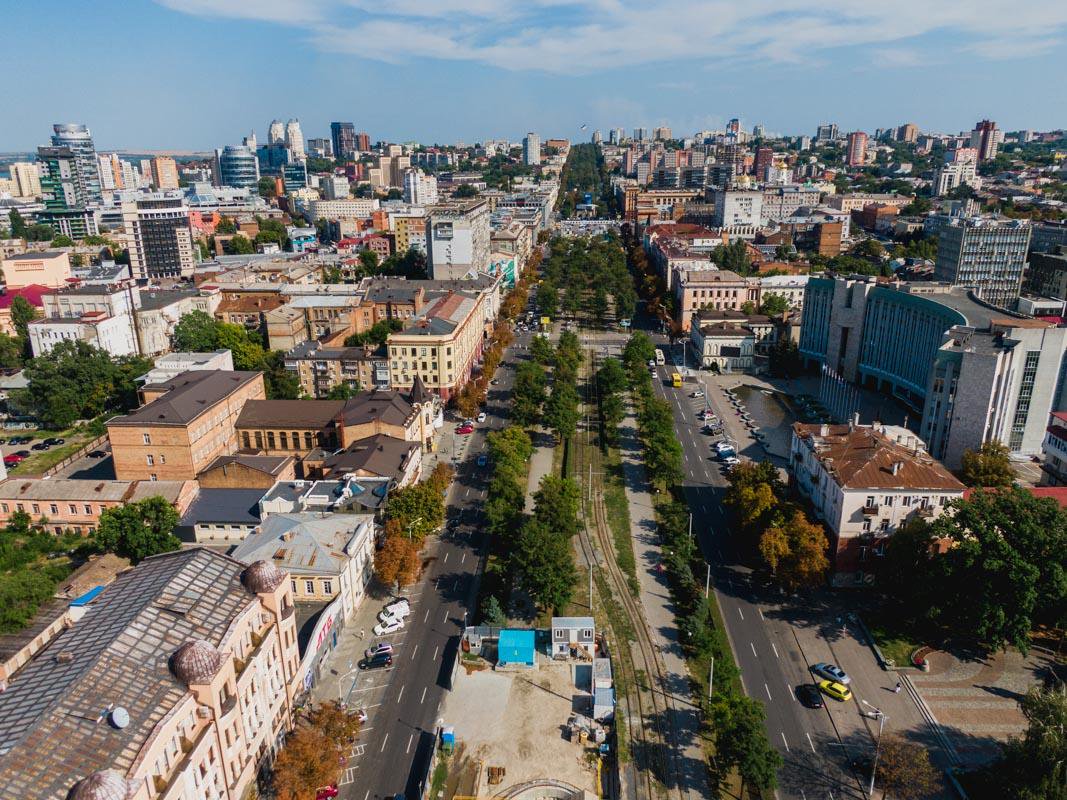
<point>897,466</point>
<point>824,430</point>
<point>856,419</point>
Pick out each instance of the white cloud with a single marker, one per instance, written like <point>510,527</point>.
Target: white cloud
<point>584,36</point>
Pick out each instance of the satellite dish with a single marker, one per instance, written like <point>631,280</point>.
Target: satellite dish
<point>120,717</point>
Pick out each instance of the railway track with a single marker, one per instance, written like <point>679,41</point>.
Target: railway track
<point>649,708</point>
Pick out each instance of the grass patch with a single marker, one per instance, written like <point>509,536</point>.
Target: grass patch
<point>618,514</point>
<point>896,643</point>
<point>440,777</point>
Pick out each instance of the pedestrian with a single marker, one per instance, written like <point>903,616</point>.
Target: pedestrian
<point>897,690</point>
<point>363,635</point>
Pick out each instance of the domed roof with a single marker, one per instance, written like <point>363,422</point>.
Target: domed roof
<point>261,576</point>
<point>195,662</point>
<point>104,785</point>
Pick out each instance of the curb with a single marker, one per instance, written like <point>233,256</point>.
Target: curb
<point>931,720</point>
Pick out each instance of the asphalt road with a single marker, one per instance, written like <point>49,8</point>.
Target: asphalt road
<point>394,751</point>
<point>816,744</point>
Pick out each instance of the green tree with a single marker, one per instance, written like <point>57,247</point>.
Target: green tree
<point>561,410</point>
<point>741,743</point>
<point>61,240</point>
<point>18,224</point>
<point>1034,766</point>
<point>343,391</point>
<point>556,504</point>
<point>547,299</point>
<point>988,467</point>
<point>226,226</point>
<point>138,530</point>
<point>773,304</point>
<point>528,392</point>
<point>465,190</point>
<point>418,509</point>
<point>239,245</point>
<point>544,564</point>
<point>246,349</point>
<point>611,377</point>
<point>22,314</point>
<point>369,261</point>
<point>639,351</point>
<point>196,332</point>
<point>267,187</point>
<point>492,613</point>
<point>796,552</point>
<point>733,256</point>
<point>541,350</point>
<point>10,352</point>
<point>281,383</point>
<point>905,771</point>
<point>869,248</point>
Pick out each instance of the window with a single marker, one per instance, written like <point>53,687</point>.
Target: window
<point>162,459</point>
<point>73,508</point>
<point>587,634</point>
<point>889,501</point>
<point>36,509</point>
<point>3,507</point>
<point>54,508</point>
<point>870,502</point>
<point>246,439</point>
<point>296,440</point>
<point>147,438</point>
<point>309,587</point>
<point>943,500</point>
<point>883,526</point>
<point>866,526</point>
<point>309,443</point>
<point>88,509</point>
<point>905,501</point>
<point>270,440</point>
<point>327,587</point>
<point>153,477</point>
<point>149,460</point>
<point>283,438</point>
<point>294,586</point>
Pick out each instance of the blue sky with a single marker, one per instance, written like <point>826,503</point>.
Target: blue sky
<point>194,74</point>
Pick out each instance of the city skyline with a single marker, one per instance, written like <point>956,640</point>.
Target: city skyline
<point>224,68</point>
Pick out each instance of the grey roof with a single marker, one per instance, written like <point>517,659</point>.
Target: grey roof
<point>93,491</point>
<point>160,298</point>
<point>369,493</point>
<point>189,395</point>
<point>303,543</point>
<point>37,256</point>
<point>234,506</point>
<point>289,413</point>
<point>269,465</point>
<point>385,456</point>
<point>392,408</point>
<point>572,622</point>
<point>119,652</point>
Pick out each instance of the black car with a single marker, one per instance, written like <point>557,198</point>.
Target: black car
<point>809,695</point>
<point>24,453</point>
<point>377,662</point>
<point>98,454</point>
<point>41,446</point>
<point>54,442</point>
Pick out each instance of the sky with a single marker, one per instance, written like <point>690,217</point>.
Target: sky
<point>197,74</point>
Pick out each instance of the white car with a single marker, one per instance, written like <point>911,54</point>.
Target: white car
<point>724,445</point>
<point>481,417</point>
<point>697,393</point>
<point>398,608</point>
<point>383,628</point>
<point>731,461</point>
<point>386,617</point>
<point>652,362</point>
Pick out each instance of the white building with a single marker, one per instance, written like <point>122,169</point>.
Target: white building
<point>350,208</point>
<point>419,188</point>
<point>103,316</point>
<point>294,140</point>
<point>738,207</point>
<point>791,287</point>
<point>160,310</point>
<point>172,365</point>
<point>458,240</point>
<point>729,341</point>
<point>334,187</point>
<point>531,150</point>
<point>954,174</point>
<point>864,482</point>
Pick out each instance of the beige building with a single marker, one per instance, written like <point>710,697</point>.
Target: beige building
<point>26,178</point>
<point>286,327</point>
<point>49,268</point>
<point>185,425</point>
<point>321,369</point>
<point>164,173</point>
<point>177,682</point>
<point>710,288</point>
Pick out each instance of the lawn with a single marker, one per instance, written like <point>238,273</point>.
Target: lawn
<point>618,513</point>
<point>36,464</point>
<point>895,641</point>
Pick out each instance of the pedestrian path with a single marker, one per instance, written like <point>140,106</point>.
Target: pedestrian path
<point>540,465</point>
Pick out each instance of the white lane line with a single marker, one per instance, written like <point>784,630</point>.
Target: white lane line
<point>426,616</point>
<point>784,741</point>
<point>445,559</point>
<point>408,748</point>
<point>435,653</point>
<point>386,739</point>
<point>462,558</point>
<point>761,615</point>
<point>775,649</point>
<point>446,617</point>
<point>810,742</point>
<point>766,688</point>
<point>790,692</point>
<point>753,649</point>
<point>436,581</point>
<point>366,795</point>
<point>413,652</point>
<point>402,688</point>
<point>739,612</point>
<point>467,492</point>
<point>423,698</point>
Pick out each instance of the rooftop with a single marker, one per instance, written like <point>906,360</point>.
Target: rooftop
<point>380,455</point>
<point>227,506</point>
<point>289,413</point>
<point>187,397</point>
<point>390,407</point>
<point>59,489</point>
<point>305,544</point>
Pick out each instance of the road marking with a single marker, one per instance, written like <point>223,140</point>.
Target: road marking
<point>413,652</point>
<point>753,649</point>
<point>445,559</point>
<point>775,649</point>
<point>436,581</point>
<point>761,615</point>
<point>402,688</point>
<point>435,653</point>
<point>810,742</point>
<point>766,688</point>
<point>426,616</point>
<point>446,617</point>
<point>739,612</point>
<point>462,558</point>
<point>423,698</point>
<point>784,741</point>
<point>386,739</point>
<point>366,795</point>
<point>466,493</point>
<point>408,748</point>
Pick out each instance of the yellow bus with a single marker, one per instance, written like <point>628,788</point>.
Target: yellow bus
<point>676,380</point>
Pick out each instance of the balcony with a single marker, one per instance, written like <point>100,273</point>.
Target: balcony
<point>925,511</point>
<point>871,510</point>
<point>162,784</point>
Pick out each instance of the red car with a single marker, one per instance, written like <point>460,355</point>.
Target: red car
<point>465,429</point>
<point>13,460</point>
<point>326,793</point>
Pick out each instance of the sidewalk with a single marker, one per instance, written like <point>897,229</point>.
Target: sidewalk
<point>691,762</point>
<point>540,464</point>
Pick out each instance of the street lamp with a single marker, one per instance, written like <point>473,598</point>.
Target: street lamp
<point>412,525</point>
<point>342,699</point>
<point>882,717</point>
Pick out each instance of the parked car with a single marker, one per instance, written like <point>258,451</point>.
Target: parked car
<point>809,695</point>
<point>724,445</point>
<point>326,793</point>
<point>494,382</point>
<point>465,429</point>
<point>55,442</point>
<point>98,454</point>
<point>483,459</point>
<point>382,628</point>
<point>24,453</point>
<point>836,690</point>
<point>13,460</point>
<point>652,362</point>
<point>398,608</point>
<point>41,446</point>
<point>731,461</point>
<point>379,661</point>
<point>831,672</point>
<point>386,617</point>
<point>481,417</point>
<point>697,393</point>
<point>380,648</point>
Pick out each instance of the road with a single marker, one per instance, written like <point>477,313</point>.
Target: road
<point>394,749</point>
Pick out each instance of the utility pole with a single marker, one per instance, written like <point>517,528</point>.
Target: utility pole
<point>877,745</point>
<point>711,677</point>
<point>690,524</point>
<point>707,583</point>
<point>590,588</point>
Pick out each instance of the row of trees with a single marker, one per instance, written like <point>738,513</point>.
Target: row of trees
<point>313,751</point>
<point>655,420</point>
<point>585,172</point>
<point>587,275</point>
<point>411,514</point>
<point>792,547</point>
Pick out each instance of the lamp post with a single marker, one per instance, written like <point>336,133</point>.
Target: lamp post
<point>412,525</point>
<point>878,743</point>
<point>343,698</point>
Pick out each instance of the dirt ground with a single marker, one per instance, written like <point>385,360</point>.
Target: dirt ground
<point>516,720</point>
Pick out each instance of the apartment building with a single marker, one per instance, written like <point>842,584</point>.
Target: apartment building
<point>709,288</point>
<point>348,208</point>
<point>780,202</point>
<point>1053,451</point>
<point>177,681</point>
<point>738,207</point>
<point>159,237</point>
<point>986,253</point>
<point>440,345</point>
<point>185,424</point>
<point>855,201</point>
<point>321,369</point>
<point>457,240</point>
<point>865,482</point>
<point>49,268</point>
<point>161,309</point>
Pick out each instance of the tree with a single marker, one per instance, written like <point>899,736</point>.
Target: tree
<point>492,613</point>
<point>547,299</point>
<point>196,332</point>
<point>545,565</point>
<point>869,248</point>
<point>22,314</point>
<point>18,224</point>
<point>796,552</point>
<point>281,383</point>
<point>611,377</point>
<point>246,349</point>
<point>904,770</point>
<point>398,561</point>
<point>10,352</point>
<point>138,530</point>
<point>419,509</point>
<point>369,261</point>
<point>741,743</point>
<point>561,410</point>
<point>1034,766</point>
<point>773,304</point>
<point>556,504</point>
<point>441,476</point>
<point>639,351</point>
<point>307,761</point>
<point>226,226</point>
<point>336,723</point>
<point>990,466</point>
<point>465,190</point>
<point>733,256</point>
<point>239,245</point>
<point>343,391</point>
<point>267,187</point>
<point>62,240</point>
<point>541,350</point>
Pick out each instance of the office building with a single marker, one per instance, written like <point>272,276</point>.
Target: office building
<point>363,142</point>
<point>1048,236</point>
<point>597,137</point>
<point>615,136</point>
<point>953,174</point>
<point>80,142</point>
<point>164,173</point>
<point>826,132</point>
<point>276,132</point>
<point>985,253</point>
<point>640,134</point>
<point>661,134</point>
<point>176,680</point>
<point>236,166</point>
<point>1046,274</point>
<point>984,139</point>
<point>531,150</point>
<point>112,176</point>
<point>857,149</point>
<point>334,187</point>
<point>343,136</point>
<point>763,162</point>
<point>420,189</point>
<point>457,240</point>
<point>294,140</point>
<point>736,207</point>
<point>320,148</point>
<point>908,133</point>
<point>26,178</point>
<point>159,238</point>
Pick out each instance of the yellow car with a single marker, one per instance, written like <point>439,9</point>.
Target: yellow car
<point>836,690</point>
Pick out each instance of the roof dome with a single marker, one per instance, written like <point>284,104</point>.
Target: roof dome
<point>261,576</point>
<point>195,662</point>
<point>104,785</point>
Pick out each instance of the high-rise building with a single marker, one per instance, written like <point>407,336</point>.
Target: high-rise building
<point>640,134</point>
<point>320,148</point>
<point>363,142</point>
<point>857,149</point>
<point>531,150</point>
<point>63,184</point>
<point>908,133</point>
<point>164,173</point>
<point>733,127</point>
<point>457,240</point>
<point>109,166</point>
<point>984,139</point>
<point>343,135</point>
<point>250,141</point>
<point>764,159</point>
<point>661,134</point>
<point>294,139</point>
<point>826,132</point>
<point>26,178</point>
<point>616,135</point>
<point>276,132</point>
<point>419,188</point>
<point>597,138</point>
<point>959,169</point>
<point>236,166</point>
<point>159,238</point>
<point>737,207</point>
<point>985,253</point>
<point>80,141</point>
<point>758,131</point>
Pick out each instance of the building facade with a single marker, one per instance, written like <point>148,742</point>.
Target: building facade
<point>988,254</point>
<point>159,238</point>
<point>457,240</point>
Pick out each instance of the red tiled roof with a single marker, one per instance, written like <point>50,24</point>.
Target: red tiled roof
<point>32,293</point>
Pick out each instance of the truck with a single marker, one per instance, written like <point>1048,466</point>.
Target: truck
<point>660,358</point>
